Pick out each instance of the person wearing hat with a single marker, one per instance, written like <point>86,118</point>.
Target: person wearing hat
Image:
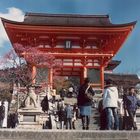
<point>85,103</point>
<point>110,104</point>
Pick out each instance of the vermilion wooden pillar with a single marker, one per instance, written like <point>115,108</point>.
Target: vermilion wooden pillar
<point>102,76</point>
<point>50,80</point>
<point>85,72</point>
<point>33,74</point>
<point>83,75</point>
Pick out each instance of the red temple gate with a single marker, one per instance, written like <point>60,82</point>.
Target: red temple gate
<point>82,43</point>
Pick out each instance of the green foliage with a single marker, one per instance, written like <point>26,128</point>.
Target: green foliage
<point>60,82</point>
<point>65,82</point>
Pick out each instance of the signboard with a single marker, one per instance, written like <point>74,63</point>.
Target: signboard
<point>68,44</point>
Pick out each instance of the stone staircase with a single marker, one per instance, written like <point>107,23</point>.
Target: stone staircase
<point>93,121</point>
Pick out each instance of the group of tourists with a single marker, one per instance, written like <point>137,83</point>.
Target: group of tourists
<point>118,113</point>
<point>115,113</point>
<point>70,92</point>
<point>65,115</point>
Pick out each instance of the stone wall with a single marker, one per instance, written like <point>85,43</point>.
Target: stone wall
<point>14,134</point>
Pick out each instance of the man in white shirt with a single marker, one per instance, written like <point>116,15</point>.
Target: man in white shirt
<point>110,104</point>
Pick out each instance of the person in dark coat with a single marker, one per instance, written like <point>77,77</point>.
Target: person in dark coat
<point>45,104</point>
<point>103,120</point>
<point>13,120</point>
<point>2,113</point>
<point>85,103</point>
<point>61,116</point>
<point>62,93</point>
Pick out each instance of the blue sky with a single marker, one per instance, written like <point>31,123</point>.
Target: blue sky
<point>120,11</point>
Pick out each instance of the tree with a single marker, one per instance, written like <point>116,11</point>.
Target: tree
<point>20,65</point>
<point>18,62</point>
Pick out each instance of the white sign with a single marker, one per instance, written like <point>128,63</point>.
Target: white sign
<point>68,44</point>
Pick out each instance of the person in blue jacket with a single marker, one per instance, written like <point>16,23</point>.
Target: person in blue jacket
<point>131,104</point>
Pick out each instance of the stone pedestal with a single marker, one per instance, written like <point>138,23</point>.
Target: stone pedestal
<point>31,118</point>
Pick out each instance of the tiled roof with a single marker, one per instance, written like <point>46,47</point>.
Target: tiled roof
<point>133,78</point>
<point>69,20</point>
<point>112,65</point>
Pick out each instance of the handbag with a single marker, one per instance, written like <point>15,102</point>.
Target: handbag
<point>88,95</point>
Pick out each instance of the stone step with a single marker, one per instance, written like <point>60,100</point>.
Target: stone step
<point>15,134</point>
<point>101,139</point>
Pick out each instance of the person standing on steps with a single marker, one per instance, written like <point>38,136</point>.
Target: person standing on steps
<point>131,104</point>
<point>53,93</point>
<point>2,113</point>
<point>69,115</point>
<point>110,104</point>
<point>84,103</point>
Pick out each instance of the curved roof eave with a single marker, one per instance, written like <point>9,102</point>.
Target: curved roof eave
<point>101,26</point>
